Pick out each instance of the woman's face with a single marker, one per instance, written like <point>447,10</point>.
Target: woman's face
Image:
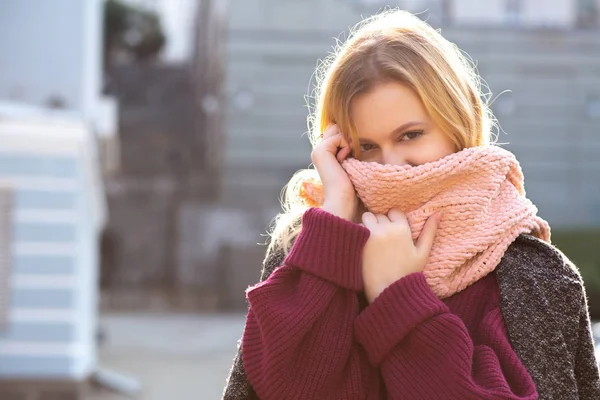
<point>394,128</point>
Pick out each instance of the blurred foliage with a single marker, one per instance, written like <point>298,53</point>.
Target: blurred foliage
<point>131,31</point>
<point>583,249</point>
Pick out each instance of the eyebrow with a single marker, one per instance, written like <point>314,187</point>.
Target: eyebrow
<point>401,128</point>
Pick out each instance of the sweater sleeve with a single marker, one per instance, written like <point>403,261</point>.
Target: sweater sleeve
<point>298,339</point>
<point>424,350</point>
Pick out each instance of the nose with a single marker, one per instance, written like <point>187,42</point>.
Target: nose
<point>392,156</point>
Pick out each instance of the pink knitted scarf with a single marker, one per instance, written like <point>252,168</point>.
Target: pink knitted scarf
<point>481,195</point>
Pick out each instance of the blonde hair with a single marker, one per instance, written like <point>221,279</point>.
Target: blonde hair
<point>392,46</point>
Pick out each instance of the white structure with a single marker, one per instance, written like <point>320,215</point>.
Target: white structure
<point>48,164</point>
<point>51,56</point>
<point>50,53</point>
<point>51,111</point>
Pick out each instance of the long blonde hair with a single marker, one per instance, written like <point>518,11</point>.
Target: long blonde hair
<point>392,46</point>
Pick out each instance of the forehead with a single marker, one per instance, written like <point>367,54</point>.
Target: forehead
<point>385,108</point>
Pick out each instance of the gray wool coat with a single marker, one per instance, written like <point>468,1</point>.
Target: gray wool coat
<point>544,305</point>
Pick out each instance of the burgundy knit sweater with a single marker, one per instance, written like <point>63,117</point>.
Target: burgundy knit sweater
<point>310,335</point>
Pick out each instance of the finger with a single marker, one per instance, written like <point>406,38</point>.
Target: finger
<point>369,220</point>
<point>382,219</point>
<point>425,241</point>
<point>334,143</point>
<point>343,153</point>
<point>337,146</point>
<point>330,131</point>
<point>329,146</point>
<point>397,216</point>
<point>344,149</point>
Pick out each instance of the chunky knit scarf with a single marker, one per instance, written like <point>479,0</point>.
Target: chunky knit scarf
<point>480,193</point>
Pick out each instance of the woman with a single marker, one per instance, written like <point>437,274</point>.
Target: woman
<point>410,264</point>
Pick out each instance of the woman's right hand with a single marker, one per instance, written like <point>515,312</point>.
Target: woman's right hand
<point>339,194</point>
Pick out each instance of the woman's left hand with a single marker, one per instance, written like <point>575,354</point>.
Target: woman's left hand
<point>390,253</point>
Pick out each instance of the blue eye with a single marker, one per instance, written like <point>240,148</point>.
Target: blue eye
<point>411,135</point>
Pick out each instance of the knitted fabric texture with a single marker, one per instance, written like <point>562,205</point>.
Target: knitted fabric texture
<point>481,195</point>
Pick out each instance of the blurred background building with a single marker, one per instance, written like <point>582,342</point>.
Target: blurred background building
<point>546,53</point>
<point>144,145</point>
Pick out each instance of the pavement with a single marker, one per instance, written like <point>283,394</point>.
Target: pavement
<point>172,357</point>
